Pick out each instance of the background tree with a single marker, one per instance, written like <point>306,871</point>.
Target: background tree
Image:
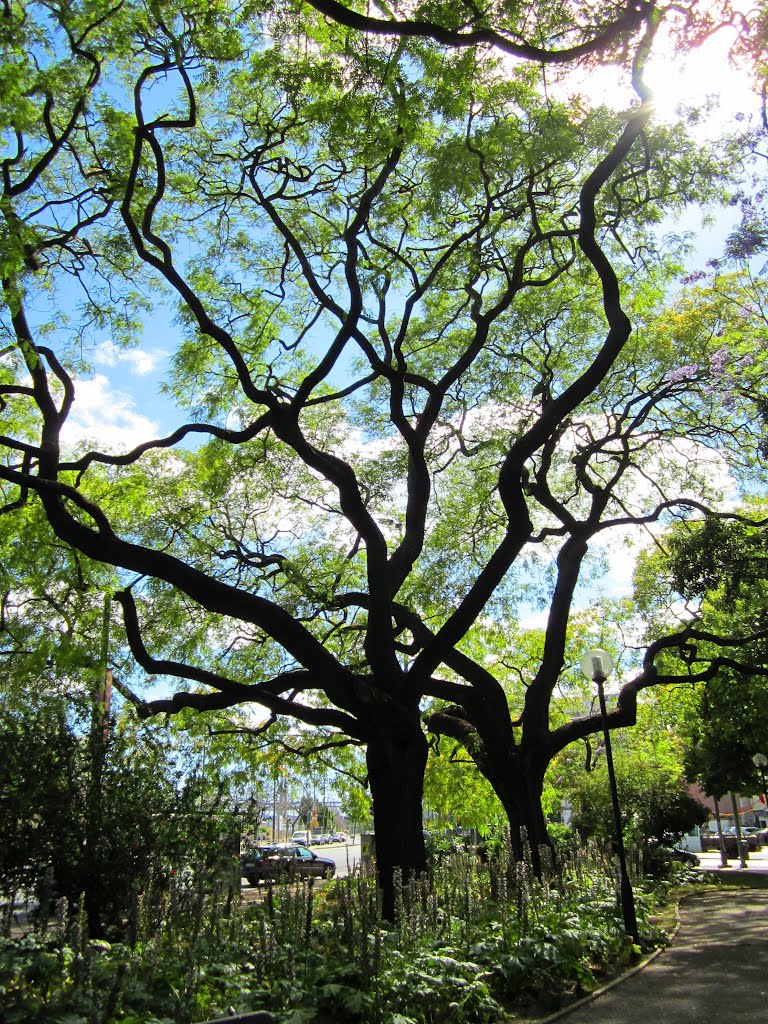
<point>40,780</point>
<point>455,794</point>
<point>726,727</point>
<point>153,818</point>
<point>92,803</point>
<point>655,803</point>
<point>402,269</point>
<point>711,574</point>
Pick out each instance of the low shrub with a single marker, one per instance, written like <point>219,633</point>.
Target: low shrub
<point>470,942</point>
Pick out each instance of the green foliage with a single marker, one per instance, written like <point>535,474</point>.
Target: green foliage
<point>724,561</point>
<point>402,273</point>
<point>52,608</point>
<point>725,726</point>
<point>455,792</point>
<point>470,944</point>
<point>66,831</point>
<point>41,780</point>
<point>719,566</point>
<point>653,799</point>
<point>564,839</point>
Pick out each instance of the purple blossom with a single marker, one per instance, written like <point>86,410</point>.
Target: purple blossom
<point>692,278</point>
<point>680,374</point>
<point>717,361</point>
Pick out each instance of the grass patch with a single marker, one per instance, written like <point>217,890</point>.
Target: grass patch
<point>665,917</point>
<point>738,879</point>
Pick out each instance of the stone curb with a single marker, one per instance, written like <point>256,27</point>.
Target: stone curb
<point>614,982</point>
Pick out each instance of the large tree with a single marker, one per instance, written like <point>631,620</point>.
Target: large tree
<point>399,253</point>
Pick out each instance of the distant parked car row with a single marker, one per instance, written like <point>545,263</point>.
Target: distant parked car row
<point>750,830</point>
<point>752,838</point>
<point>282,862</point>
<point>324,838</point>
<point>308,838</point>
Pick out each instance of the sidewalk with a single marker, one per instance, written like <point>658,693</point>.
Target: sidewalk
<point>756,863</point>
<point>716,968</point>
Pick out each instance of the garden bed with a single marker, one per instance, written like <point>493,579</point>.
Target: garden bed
<point>472,943</point>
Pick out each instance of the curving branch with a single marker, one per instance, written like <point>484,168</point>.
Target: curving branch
<point>81,464</point>
<point>229,692</point>
<point>625,712</point>
<point>104,545</point>
<point>635,15</point>
<point>553,414</point>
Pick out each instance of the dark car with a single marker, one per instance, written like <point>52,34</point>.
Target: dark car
<point>679,853</point>
<point>251,865</point>
<point>660,855</point>
<point>281,862</point>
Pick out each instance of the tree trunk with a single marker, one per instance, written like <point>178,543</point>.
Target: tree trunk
<point>721,840</point>
<point>396,760</point>
<point>517,778</point>
<point>519,788</point>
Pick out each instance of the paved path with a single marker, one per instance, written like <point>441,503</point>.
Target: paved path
<point>716,969</point>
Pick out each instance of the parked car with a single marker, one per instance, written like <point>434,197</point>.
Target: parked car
<point>682,855</point>
<point>322,839</point>
<point>299,860</point>
<point>252,865</point>
<point>283,861</point>
<point>659,856</point>
<point>752,831</point>
<point>303,837</point>
<point>339,837</point>
<point>749,835</point>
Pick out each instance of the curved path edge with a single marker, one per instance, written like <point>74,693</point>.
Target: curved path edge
<point>565,1011</point>
<point>713,965</point>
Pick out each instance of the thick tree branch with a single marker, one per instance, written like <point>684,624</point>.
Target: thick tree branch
<point>623,28</point>
<point>625,713</point>
<point>103,545</point>
<point>230,693</point>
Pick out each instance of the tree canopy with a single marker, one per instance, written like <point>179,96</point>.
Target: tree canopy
<point>424,354</point>
<point>711,573</point>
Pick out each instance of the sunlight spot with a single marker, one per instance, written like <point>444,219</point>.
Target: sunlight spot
<point>704,86</point>
<point>705,80</point>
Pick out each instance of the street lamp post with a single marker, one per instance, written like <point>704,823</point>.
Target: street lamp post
<point>760,761</point>
<point>597,665</point>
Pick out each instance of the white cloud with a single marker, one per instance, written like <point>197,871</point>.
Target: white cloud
<point>104,417</point>
<point>533,618</point>
<point>141,361</point>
